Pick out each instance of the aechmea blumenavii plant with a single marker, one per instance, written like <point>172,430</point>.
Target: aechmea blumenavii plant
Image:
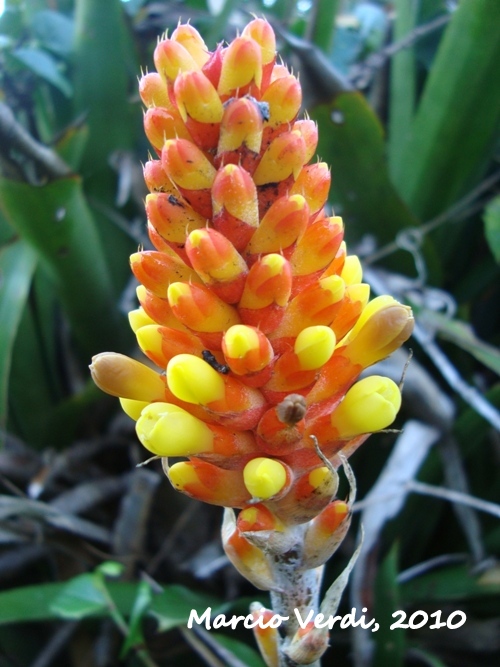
<point>258,321</point>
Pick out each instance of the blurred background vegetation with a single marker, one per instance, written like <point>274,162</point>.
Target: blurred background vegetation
<point>101,562</point>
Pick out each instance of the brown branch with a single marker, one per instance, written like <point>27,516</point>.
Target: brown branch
<point>14,136</point>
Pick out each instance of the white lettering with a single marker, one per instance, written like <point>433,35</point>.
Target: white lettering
<point>303,623</point>
<point>194,618</point>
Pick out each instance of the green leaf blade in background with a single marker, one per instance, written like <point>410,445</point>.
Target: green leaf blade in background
<point>457,122</point>
<point>17,266</point>
<point>351,141</point>
<point>403,91</point>
<point>102,51</point>
<point>492,226</point>
<point>45,66</point>
<point>56,220</point>
<point>321,28</point>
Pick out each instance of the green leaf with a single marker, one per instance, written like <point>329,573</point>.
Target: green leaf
<point>54,30</point>
<point>456,125</point>
<point>17,265</point>
<point>390,644</point>
<point>241,651</point>
<point>175,604</point>
<point>142,602</point>
<point>45,66</point>
<point>402,93</point>
<point>111,568</point>
<point>56,220</point>
<point>492,226</point>
<point>83,595</point>
<point>79,598</point>
<point>351,141</point>
<point>102,52</point>
<point>323,24</point>
<point>451,583</point>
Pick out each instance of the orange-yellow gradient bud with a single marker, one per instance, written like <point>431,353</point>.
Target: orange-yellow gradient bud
<point>383,326</point>
<point>192,41</point>
<point>217,263</point>
<point>210,483</point>
<point>258,517</point>
<point>241,65</point>
<point>139,318</point>
<point>171,58</point>
<point>260,31</point>
<point>281,226</point>
<point>284,97</point>
<point>197,98</point>
<point>266,636</point>
<point>235,206</point>
<point>172,217</point>
<point>153,90</point>
<point>246,349</point>
<point>200,309</point>
<point>161,124</point>
<point>370,405</point>
<point>186,165</point>
<point>156,270</point>
<point>241,126</point>
<point>284,158</point>
<point>122,376</point>
<point>313,183</point>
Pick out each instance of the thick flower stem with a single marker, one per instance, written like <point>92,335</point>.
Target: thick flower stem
<point>297,591</point>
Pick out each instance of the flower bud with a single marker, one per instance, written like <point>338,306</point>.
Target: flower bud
<point>191,172</point>
<point>241,65</point>
<point>267,638</point>
<point>265,478</point>
<point>161,124</point>
<point>235,207</point>
<point>198,308</point>
<point>119,375</point>
<point>153,91</point>
<point>133,408</point>
<point>370,405</point>
<point>265,296</point>
<point>248,559</point>
<point>314,346</point>
<point>217,263</point>
<point>160,344</point>
<point>246,349</point>
<point>384,325</point>
<point>156,270</point>
<point>284,97</point>
<point>171,58</point>
<point>186,35</point>
<point>283,159</point>
<point>280,227</point>
<point>207,482</point>
<point>313,183</point>
<point>241,130</point>
<point>139,318</point>
<point>325,533</point>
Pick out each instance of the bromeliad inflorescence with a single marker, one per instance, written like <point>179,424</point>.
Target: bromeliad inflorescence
<point>258,320</point>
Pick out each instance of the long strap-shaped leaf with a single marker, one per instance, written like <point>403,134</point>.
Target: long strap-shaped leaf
<point>57,222</point>
<point>454,130</point>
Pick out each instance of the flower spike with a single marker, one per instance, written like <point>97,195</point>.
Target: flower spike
<point>258,322</point>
